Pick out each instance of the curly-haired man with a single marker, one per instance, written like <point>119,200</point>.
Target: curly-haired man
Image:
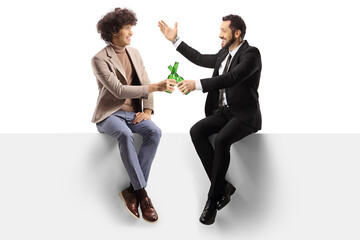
<point>125,104</point>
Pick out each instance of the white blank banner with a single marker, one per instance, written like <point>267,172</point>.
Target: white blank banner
<point>289,186</point>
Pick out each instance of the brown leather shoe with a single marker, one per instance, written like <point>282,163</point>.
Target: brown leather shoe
<point>131,202</point>
<point>148,211</point>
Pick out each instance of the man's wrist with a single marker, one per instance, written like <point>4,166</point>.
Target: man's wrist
<point>153,87</point>
<point>148,111</point>
<point>175,40</point>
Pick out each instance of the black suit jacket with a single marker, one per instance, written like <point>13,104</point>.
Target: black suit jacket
<point>241,82</point>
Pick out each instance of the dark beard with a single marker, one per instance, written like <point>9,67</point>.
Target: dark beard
<point>232,40</point>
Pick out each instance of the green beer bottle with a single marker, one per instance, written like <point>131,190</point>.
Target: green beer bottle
<point>174,75</point>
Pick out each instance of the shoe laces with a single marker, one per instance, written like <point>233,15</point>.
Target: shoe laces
<point>147,204</point>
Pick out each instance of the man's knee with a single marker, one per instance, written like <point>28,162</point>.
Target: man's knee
<point>153,133</point>
<point>195,131</point>
<point>156,133</point>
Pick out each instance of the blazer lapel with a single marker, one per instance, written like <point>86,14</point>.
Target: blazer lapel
<point>115,60</point>
<point>238,53</point>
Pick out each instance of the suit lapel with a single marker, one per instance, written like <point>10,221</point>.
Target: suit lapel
<point>239,52</point>
<point>115,60</point>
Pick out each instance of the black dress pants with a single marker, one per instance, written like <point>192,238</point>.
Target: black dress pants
<point>216,159</point>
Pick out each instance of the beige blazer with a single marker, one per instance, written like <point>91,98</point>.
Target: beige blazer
<point>112,83</point>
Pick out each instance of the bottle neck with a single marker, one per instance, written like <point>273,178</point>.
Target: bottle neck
<point>175,67</point>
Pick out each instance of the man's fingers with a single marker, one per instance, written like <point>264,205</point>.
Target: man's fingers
<point>170,88</point>
<point>170,83</point>
<point>162,29</point>
<point>161,26</point>
<point>184,90</point>
<point>182,87</point>
<point>138,119</point>
<point>176,25</point>
<point>140,116</point>
<point>164,23</point>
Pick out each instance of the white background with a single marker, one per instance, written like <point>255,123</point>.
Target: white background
<point>310,52</point>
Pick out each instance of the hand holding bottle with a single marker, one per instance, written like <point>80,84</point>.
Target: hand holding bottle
<point>165,85</point>
<point>186,86</point>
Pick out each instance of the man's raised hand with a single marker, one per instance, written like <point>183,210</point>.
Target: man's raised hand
<point>169,33</point>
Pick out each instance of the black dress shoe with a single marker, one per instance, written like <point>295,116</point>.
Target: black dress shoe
<point>208,215</point>
<point>229,190</point>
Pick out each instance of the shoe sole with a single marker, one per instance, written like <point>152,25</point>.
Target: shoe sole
<point>208,223</point>
<point>123,199</point>
<point>151,221</point>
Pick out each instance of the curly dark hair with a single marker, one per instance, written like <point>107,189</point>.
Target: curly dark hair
<point>113,21</point>
<point>236,23</point>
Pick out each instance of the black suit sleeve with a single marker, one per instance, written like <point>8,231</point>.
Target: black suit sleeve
<point>203,60</point>
<point>249,63</point>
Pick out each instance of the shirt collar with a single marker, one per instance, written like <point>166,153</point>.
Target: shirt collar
<point>117,49</point>
<point>233,52</point>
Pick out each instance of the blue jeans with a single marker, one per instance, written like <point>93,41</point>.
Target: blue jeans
<point>120,125</point>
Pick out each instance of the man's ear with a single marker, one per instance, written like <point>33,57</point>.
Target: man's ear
<point>113,32</point>
<point>237,33</point>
